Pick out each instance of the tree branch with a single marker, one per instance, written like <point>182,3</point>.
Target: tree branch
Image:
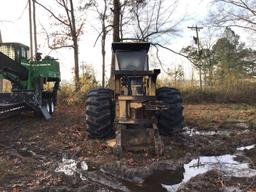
<point>52,14</point>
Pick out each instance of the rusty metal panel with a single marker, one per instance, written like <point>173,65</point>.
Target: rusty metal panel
<point>136,98</point>
<point>136,105</point>
<point>117,86</point>
<point>122,110</point>
<point>135,121</point>
<point>137,139</point>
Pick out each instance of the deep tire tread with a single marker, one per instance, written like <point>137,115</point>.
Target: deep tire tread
<point>170,120</point>
<point>99,113</point>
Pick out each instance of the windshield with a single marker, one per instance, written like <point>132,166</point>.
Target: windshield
<point>132,60</point>
<point>8,51</point>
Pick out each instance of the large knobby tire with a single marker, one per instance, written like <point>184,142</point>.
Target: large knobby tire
<point>99,111</point>
<point>170,120</point>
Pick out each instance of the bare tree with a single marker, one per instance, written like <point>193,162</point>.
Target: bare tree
<point>103,15</point>
<point>114,24</point>
<point>150,21</point>
<point>116,28</point>
<point>154,19</point>
<point>68,32</point>
<point>141,20</point>
<point>237,13</point>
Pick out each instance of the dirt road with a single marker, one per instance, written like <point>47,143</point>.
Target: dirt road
<point>57,155</point>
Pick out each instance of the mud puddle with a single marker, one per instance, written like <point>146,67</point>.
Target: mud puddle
<point>225,163</point>
<point>194,132</point>
<point>168,180</point>
<point>246,147</point>
<point>71,167</point>
<point>171,180</point>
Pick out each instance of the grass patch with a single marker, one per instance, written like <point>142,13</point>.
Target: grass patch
<point>212,115</point>
<point>243,93</point>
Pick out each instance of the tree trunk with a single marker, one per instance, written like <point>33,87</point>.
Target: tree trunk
<point>210,79</point>
<point>116,31</point>
<point>200,78</point>
<point>76,60</point>
<point>70,22</point>
<point>103,42</point>
<point>103,51</point>
<point>75,44</point>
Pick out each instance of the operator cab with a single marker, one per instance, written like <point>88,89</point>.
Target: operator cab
<point>15,51</point>
<point>131,67</point>
<point>131,56</point>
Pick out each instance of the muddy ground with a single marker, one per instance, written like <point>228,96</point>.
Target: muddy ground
<point>32,149</point>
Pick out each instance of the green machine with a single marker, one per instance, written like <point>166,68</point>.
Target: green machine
<point>34,83</point>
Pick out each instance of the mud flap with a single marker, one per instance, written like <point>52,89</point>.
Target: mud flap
<point>136,140</point>
<point>159,145</point>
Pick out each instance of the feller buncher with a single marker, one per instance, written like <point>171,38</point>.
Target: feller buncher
<point>34,83</point>
<point>133,107</point>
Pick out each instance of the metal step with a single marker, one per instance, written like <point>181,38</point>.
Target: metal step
<point>7,110</point>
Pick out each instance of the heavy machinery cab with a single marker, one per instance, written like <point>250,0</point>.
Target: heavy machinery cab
<point>132,75</point>
<point>34,82</point>
<point>22,71</point>
<point>15,51</point>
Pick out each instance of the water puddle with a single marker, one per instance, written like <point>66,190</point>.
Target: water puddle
<point>171,180</point>
<point>194,132</point>
<point>168,180</point>
<point>246,147</point>
<point>71,166</point>
<point>225,163</point>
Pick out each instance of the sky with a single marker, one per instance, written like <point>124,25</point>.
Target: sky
<point>15,28</point>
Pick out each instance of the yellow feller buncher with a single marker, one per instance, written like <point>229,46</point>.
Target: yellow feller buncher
<point>133,108</point>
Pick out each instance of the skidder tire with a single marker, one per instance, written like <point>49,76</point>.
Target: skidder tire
<point>99,113</point>
<point>170,120</point>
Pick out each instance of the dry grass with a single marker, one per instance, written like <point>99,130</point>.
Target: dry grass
<point>217,115</point>
<point>244,92</point>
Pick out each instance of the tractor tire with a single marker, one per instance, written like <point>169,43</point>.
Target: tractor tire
<point>52,106</point>
<point>99,112</point>
<point>170,120</point>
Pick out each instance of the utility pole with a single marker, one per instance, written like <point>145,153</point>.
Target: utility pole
<point>197,41</point>
<point>34,26</point>
<point>30,30</point>
<point>1,40</point>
